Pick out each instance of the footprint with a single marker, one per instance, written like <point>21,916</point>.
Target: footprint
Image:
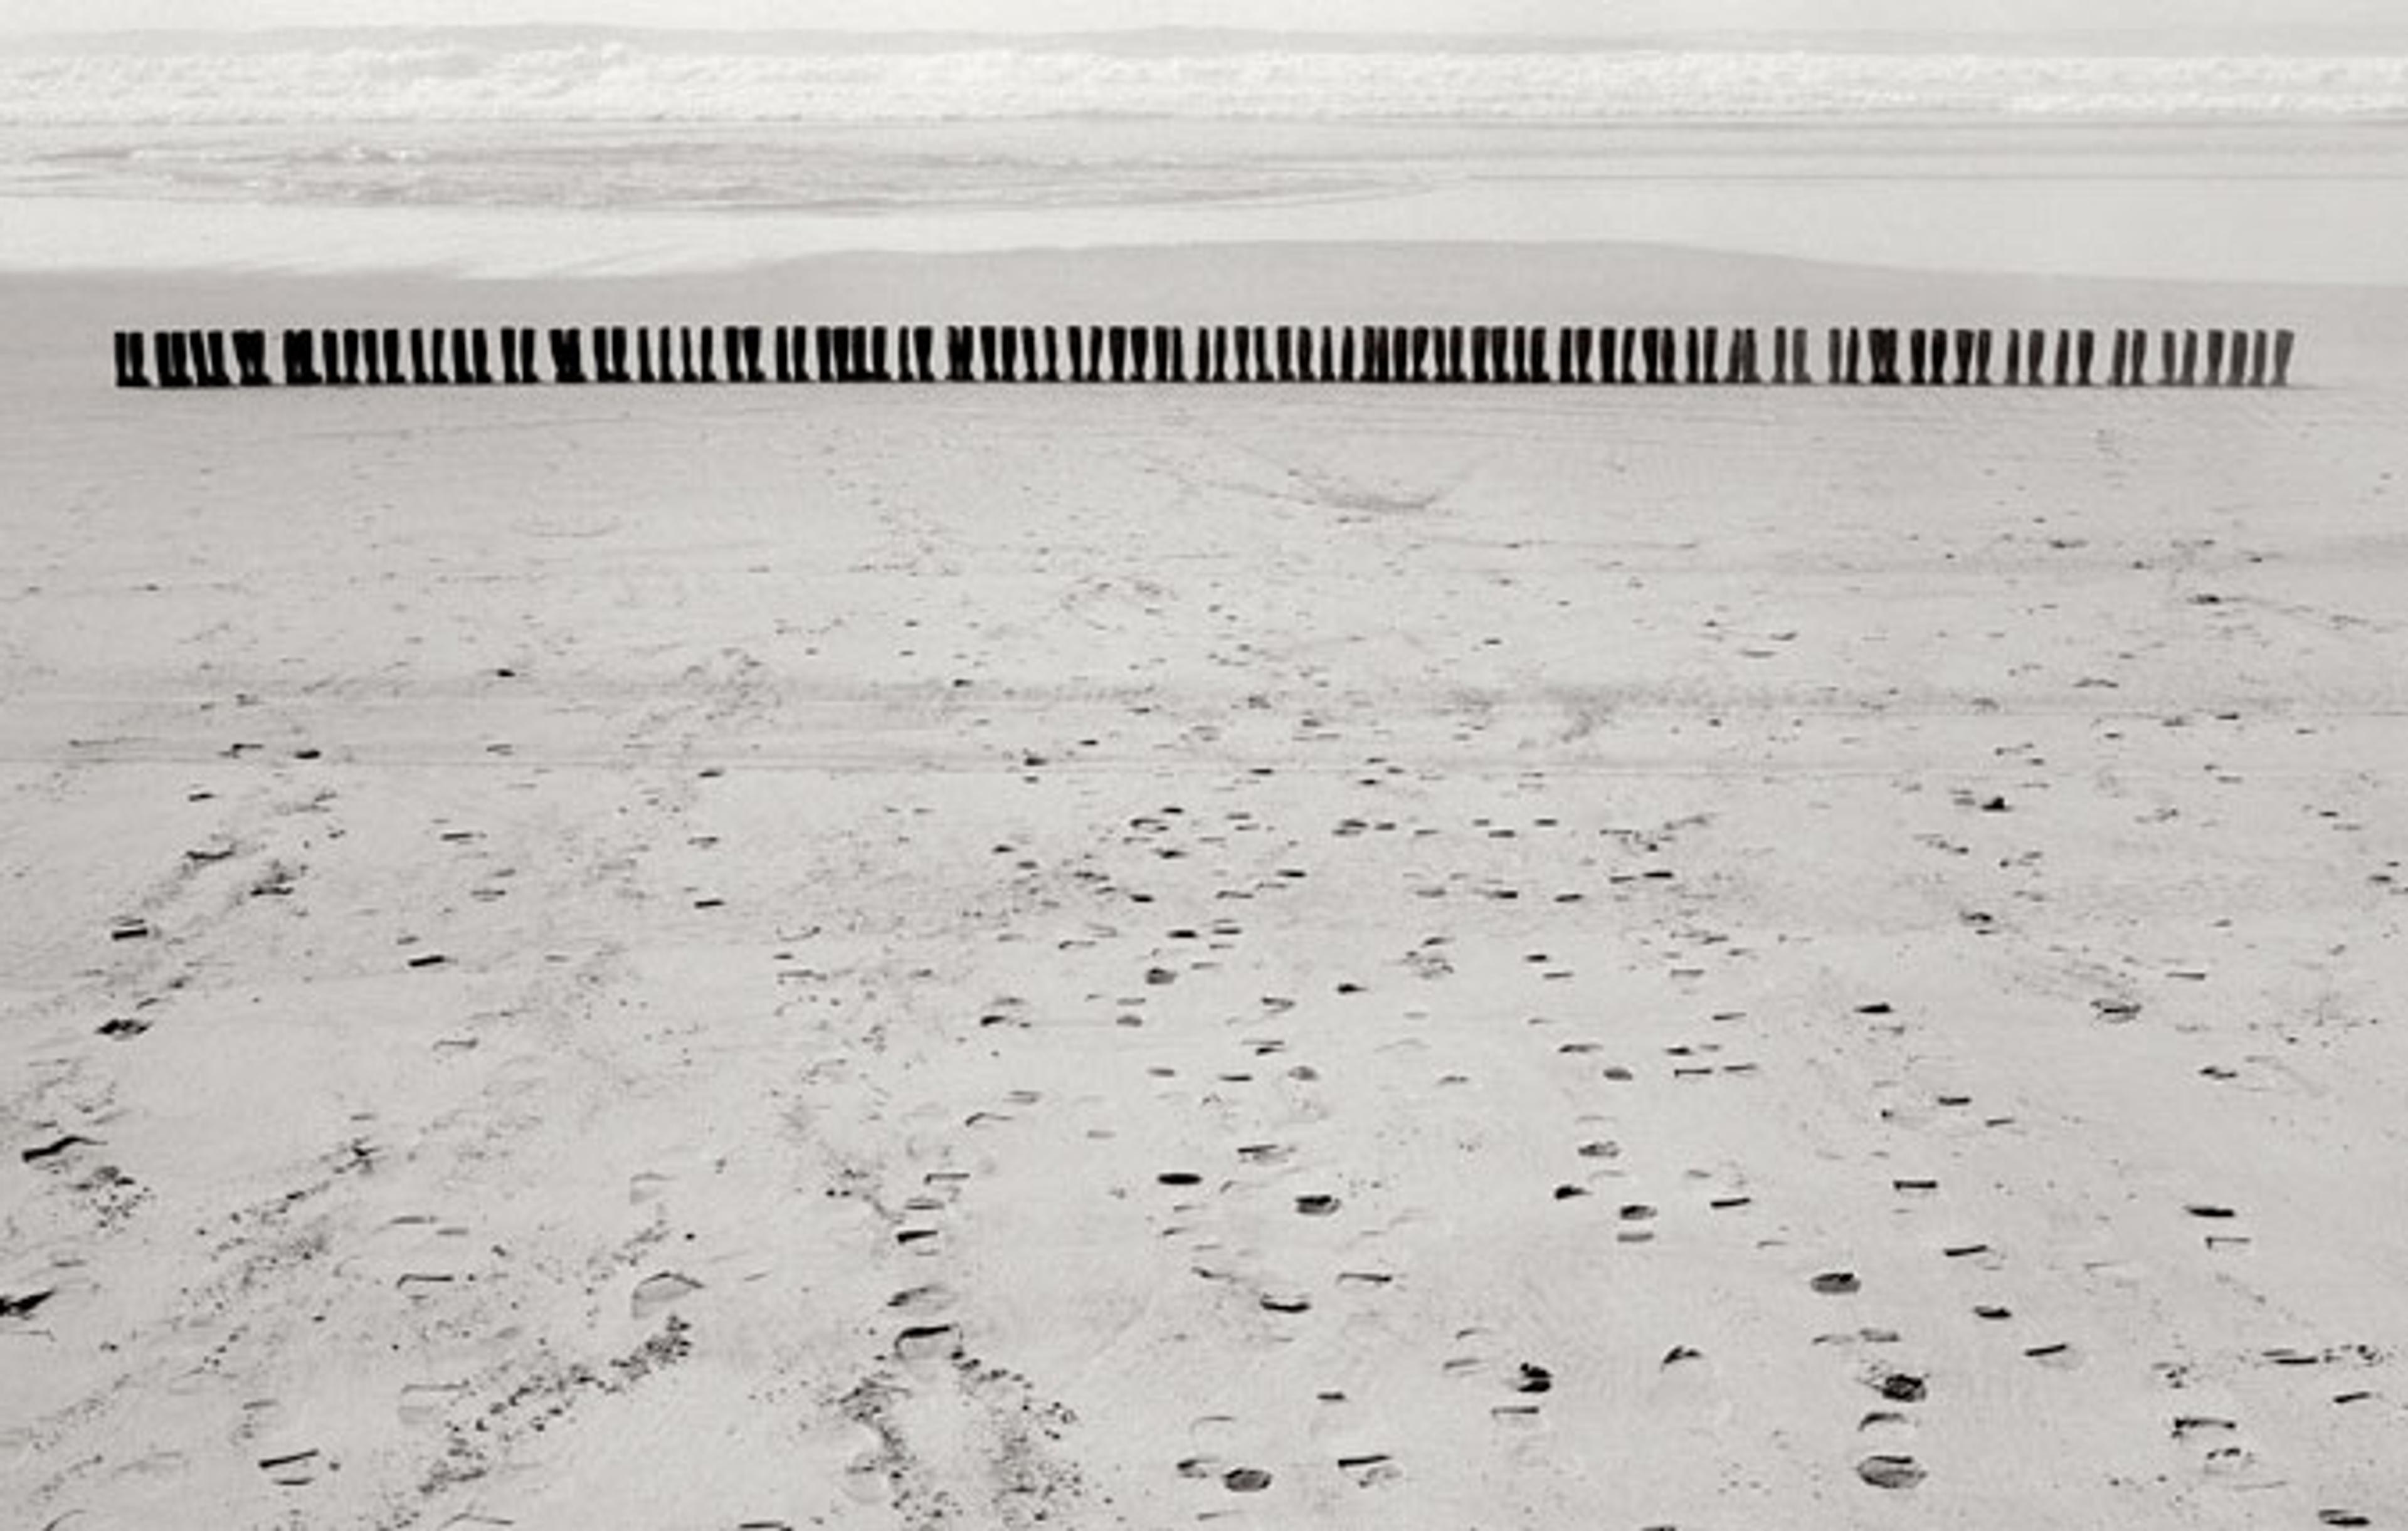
<point>1246,1480</point>
<point>1887,1470</point>
<point>918,1300</point>
<point>1837,1283</point>
<point>924,1343</point>
<point>292,1469</point>
<point>1371,1469</point>
<point>1687,1384</point>
<point>424,1403</point>
<point>660,1290</point>
<point>2216,1439</point>
<point>1898,1386</point>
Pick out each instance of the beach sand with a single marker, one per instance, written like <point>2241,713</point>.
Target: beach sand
<point>1098,957</point>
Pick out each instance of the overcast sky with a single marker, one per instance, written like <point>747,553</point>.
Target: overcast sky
<point>1562,17</point>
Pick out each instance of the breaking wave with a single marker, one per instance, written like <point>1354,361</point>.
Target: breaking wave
<point>463,80</point>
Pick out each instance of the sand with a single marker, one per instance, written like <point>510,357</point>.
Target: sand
<point>1119,957</point>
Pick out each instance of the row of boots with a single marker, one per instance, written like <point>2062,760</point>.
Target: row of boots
<point>1485,353</point>
<point>1926,357</point>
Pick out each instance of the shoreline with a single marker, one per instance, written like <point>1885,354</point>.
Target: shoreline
<point>2348,335</point>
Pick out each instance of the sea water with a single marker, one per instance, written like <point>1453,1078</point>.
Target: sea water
<point>522,151</point>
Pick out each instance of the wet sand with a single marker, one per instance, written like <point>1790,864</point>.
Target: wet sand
<point>1117,957</point>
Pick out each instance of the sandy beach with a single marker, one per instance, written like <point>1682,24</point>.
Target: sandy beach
<point>1095,958</point>
<point>1119,957</point>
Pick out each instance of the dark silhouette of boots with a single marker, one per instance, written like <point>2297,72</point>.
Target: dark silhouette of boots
<point>2214,370</point>
<point>2257,358</point>
<point>249,357</point>
<point>2283,343</point>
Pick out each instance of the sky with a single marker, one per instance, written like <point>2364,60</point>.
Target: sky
<point>1581,18</point>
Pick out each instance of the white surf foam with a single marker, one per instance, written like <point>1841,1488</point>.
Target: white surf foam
<point>458,79</point>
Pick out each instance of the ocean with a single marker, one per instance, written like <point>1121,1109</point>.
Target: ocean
<point>523,151</point>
